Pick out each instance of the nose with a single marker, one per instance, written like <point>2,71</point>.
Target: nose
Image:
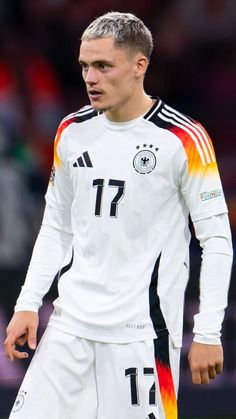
<point>91,76</point>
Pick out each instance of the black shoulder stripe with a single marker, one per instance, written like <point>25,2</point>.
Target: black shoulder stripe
<point>154,108</point>
<point>155,119</point>
<point>85,116</point>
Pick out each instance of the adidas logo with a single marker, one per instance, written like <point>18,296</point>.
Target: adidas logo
<point>83,161</point>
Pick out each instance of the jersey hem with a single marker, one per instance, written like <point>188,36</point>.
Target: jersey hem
<point>76,330</point>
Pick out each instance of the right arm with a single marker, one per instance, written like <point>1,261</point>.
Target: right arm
<point>49,251</point>
<point>52,244</point>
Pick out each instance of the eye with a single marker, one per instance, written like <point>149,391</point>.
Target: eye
<point>103,66</point>
<point>84,66</point>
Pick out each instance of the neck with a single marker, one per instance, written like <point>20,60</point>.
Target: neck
<point>136,106</point>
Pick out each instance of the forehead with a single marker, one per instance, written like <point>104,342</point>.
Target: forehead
<point>101,49</point>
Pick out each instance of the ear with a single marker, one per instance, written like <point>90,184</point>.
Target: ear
<point>141,65</point>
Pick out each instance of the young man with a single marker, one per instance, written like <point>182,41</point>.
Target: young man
<point>127,172</point>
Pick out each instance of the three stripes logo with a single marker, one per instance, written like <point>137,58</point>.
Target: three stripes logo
<point>83,161</point>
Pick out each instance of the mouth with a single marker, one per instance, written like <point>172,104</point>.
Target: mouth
<point>94,94</point>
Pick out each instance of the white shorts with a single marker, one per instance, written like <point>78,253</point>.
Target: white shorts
<point>75,378</point>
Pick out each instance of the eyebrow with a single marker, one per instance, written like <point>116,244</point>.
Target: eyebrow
<point>96,62</point>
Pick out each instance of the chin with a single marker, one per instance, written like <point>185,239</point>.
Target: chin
<point>100,108</point>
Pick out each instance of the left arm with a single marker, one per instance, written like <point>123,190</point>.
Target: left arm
<point>201,188</point>
<point>206,353</point>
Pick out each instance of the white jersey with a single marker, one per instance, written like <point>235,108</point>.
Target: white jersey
<point>126,191</point>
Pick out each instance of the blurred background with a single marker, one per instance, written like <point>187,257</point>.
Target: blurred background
<point>193,68</point>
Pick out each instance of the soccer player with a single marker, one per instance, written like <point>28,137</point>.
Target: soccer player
<point>128,170</point>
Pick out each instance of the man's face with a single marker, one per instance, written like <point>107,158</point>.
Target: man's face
<point>110,73</point>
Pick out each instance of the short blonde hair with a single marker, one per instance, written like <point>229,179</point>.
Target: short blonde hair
<point>127,30</point>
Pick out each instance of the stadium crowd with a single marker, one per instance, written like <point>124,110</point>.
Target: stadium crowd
<point>193,69</point>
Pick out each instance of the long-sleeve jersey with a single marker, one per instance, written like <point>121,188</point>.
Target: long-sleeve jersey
<point>116,228</point>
